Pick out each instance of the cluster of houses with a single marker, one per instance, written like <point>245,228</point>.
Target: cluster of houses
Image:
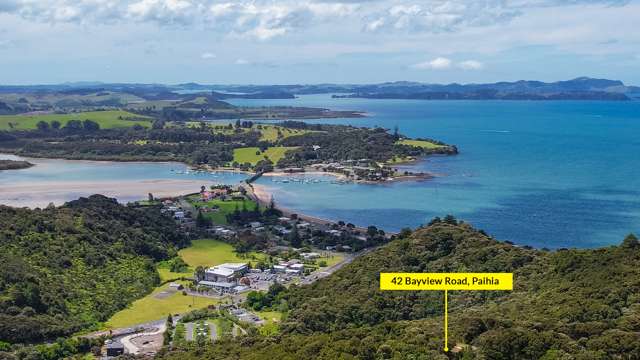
<point>221,192</point>
<point>339,232</point>
<point>291,267</point>
<point>215,193</point>
<point>233,278</point>
<point>358,170</point>
<point>283,228</point>
<point>182,217</point>
<point>170,207</point>
<point>222,232</point>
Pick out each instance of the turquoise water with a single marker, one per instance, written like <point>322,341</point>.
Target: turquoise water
<point>61,171</point>
<point>58,181</point>
<point>547,174</point>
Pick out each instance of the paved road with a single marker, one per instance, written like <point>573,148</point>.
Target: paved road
<point>213,331</point>
<point>188,329</point>
<point>333,268</point>
<point>133,349</point>
<point>160,325</point>
<point>186,206</point>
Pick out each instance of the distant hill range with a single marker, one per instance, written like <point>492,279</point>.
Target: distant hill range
<point>582,88</point>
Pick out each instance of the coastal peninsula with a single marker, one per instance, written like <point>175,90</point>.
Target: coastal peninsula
<point>14,164</point>
<point>355,153</point>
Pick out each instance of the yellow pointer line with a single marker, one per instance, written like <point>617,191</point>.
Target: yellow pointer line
<point>446,322</point>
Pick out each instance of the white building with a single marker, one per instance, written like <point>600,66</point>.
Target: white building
<point>291,267</point>
<point>298,269</point>
<point>226,273</point>
<point>310,255</point>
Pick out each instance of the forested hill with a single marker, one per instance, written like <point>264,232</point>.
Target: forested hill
<point>568,304</point>
<point>65,269</point>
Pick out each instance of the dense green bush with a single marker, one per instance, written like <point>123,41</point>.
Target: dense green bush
<point>66,269</point>
<point>568,304</point>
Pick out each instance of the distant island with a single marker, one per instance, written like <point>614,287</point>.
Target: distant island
<point>165,102</point>
<point>350,153</point>
<point>14,165</point>
<point>201,101</point>
<point>490,94</point>
<point>582,88</point>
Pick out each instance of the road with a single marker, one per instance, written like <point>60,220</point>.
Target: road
<point>213,331</point>
<point>126,335</point>
<point>333,268</point>
<point>132,348</point>
<point>188,329</point>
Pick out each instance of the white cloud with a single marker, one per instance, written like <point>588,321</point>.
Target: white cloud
<point>470,65</point>
<point>208,56</point>
<point>267,19</point>
<point>438,16</point>
<point>443,63</point>
<point>242,61</point>
<point>439,63</point>
<point>163,11</point>
<point>264,20</point>
<point>375,24</point>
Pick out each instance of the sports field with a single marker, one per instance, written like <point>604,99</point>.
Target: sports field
<point>106,119</point>
<point>253,154</point>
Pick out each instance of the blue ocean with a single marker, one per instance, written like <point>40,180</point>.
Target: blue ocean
<point>546,174</point>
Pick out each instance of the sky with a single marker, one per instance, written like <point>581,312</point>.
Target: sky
<point>317,41</point>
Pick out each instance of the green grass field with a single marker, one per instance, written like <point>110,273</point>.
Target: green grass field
<point>270,132</point>
<point>420,143</point>
<point>332,259</point>
<point>166,274</point>
<point>205,252</point>
<point>271,318</point>
<point>224,327</point>
<point>267,132</point>
<point>151,308</point>
<point>210,252</point>
<point>225,207</point>
<point>248,154</point>
<point>106,119</point>
<point>400,160</point>
<point>202,252</point>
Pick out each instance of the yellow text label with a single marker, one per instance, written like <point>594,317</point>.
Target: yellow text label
<point>446,281</point>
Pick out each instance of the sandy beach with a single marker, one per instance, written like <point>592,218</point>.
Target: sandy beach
<point>312,173</point>
<point>261,194</point>
<point>41,194</point>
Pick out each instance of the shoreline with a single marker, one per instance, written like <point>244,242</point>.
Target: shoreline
<point>41,194</point>
<point>280,173</point>
<point>209,168</point>
<point>263,197</point>
<point>343,177</point>
<point>260,194</point>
